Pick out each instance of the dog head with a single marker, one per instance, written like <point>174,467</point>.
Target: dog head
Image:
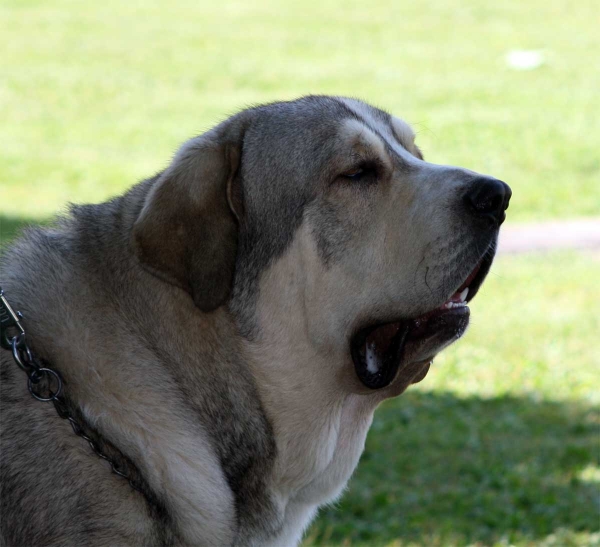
<point>318,220</point>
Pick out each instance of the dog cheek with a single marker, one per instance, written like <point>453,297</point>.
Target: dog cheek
<point>422,373</point>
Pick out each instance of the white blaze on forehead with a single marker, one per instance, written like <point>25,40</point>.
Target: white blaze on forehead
<point>400,132</point>
<point>365,112</point>
<point>356,130</point>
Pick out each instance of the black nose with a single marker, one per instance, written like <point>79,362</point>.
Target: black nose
<point>488,198</point>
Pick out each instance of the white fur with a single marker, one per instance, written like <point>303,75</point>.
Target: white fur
<point>306,311</point>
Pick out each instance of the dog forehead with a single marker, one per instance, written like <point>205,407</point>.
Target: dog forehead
<point>355,131</point>
<point>304,133</point>
<point>304,123</point>
<point>398,135</point>
<point>374,117</point>
<point>287,146</point>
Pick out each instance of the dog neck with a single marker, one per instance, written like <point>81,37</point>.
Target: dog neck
<point>320,426</point>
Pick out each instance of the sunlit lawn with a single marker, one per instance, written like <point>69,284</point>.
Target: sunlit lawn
<point>96,95</point>
<point>499,445</point>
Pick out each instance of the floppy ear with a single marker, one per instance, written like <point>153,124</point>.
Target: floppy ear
<point>186,233</point>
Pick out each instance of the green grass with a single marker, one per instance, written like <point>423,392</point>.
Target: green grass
<point>499,445</point>
<point>96,95</point>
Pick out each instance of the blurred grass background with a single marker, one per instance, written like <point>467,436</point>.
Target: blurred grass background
<point>499,445</point>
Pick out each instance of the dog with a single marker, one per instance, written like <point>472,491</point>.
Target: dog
<point>225,329</point>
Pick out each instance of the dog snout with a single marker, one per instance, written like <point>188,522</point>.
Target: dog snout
<point>488,198</point>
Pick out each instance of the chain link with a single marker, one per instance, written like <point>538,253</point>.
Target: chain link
<point>42,379</point>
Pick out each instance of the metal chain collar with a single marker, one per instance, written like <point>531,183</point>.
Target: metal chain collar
<point>44,383</point>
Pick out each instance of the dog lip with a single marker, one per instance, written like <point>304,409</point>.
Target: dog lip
<point>481,271</point>
<point>394,345</point>
<point>389,357</point>
<point>424,329</point>
<point>378,350</point>
<point>381,349</point>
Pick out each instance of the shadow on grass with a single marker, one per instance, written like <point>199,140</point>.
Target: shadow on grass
<point>439,470</point>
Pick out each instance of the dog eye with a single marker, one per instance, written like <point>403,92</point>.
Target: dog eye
<point>359,174</point>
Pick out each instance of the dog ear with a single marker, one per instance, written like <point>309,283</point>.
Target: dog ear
<point>186,233</point>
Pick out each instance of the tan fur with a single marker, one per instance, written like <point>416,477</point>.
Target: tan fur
<point>203,324</point>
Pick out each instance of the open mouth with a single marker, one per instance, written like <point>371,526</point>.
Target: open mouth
<point>380,350</point>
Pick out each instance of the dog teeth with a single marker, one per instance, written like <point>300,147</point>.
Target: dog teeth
<point>450,305</point>
<point>463,295</point>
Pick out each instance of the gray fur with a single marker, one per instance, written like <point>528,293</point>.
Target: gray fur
<point>148,304</point>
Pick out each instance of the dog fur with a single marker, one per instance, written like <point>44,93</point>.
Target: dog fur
<point>201,323</point>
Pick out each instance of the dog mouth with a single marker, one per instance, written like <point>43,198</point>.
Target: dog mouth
<point>381,350</point>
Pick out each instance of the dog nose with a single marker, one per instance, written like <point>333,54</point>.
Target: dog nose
<point>488,197</point>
